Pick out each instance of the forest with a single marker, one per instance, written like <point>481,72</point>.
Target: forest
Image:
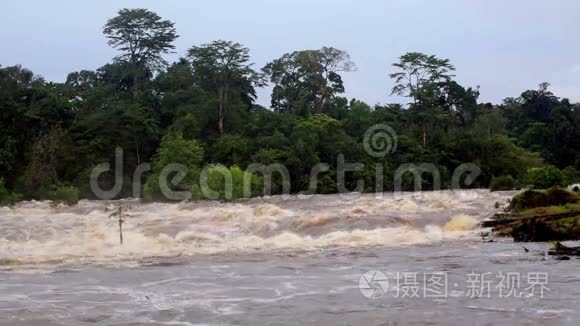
<point>201,110</point>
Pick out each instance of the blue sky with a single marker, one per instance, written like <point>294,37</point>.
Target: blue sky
<point>504,47</point>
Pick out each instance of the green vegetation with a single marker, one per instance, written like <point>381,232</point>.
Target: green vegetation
<point>570,176</point>
<point>542,230</point>
<point>174,149</point>
<point>6,197</point>
<point>549,210</point>
<point>562,209</point>
<point>503,183</point>
<point>544,177</point>
<point>201,110</point>
<point>64,194</point>
<point>541,215</point>
<point>218,183</point>
<point>542,198</point>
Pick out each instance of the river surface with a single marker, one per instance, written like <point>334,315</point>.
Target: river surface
<point>399,259</point>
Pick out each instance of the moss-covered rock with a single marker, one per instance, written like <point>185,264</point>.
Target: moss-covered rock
<point>542,198</point>
<point>542,229</point>
<point>540,215</point>
<point>559,249</point>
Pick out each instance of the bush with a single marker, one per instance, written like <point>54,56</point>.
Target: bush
<point>230,149</point>
<point>64,194</point>
<point>544,177</point>
<point>570,176</point>
<point>7,197</point>
<point>216,182</point>
<point>174,149</point>
<point>542,198</point>
<point>4,193</point>
<point>503,183</point>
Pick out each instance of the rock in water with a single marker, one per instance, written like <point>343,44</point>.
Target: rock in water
<point>561,250</point>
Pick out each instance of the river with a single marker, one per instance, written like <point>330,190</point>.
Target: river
<point>411,258</point>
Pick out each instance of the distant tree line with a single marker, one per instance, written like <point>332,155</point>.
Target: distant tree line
<point>201,110</point>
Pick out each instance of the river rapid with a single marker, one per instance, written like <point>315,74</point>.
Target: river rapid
<point>276,260</point>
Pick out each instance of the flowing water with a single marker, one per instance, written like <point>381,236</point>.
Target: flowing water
<point>276,260</point>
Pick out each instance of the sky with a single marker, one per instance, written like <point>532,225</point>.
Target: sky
<point>505,47</point>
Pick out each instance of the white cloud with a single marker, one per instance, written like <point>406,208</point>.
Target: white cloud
<point>576,68</point>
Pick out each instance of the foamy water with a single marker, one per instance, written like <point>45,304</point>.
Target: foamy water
<point>269,261</point>
<point>38,235</point>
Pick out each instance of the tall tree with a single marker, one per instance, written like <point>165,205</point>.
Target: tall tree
<point>224,68</point>
<point>417,70</point>
<point>29,106</point>
<point>143,37</point>
<point>286,76</point>
<point>424,78</point>
<point>327,64</point>
<point>307,78</point>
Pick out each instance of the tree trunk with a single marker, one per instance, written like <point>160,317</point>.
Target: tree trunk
<point>137,151</point>
<point>318,107</point>
<point>424,136</point>
<point>221,112</point>
<point>134,91</point>
<point>134,63</point>
<point>318,104</point>
<point>221,123</point>
<point>135,88</point>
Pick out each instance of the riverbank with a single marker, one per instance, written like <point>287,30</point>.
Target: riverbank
<point>541,216</point>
